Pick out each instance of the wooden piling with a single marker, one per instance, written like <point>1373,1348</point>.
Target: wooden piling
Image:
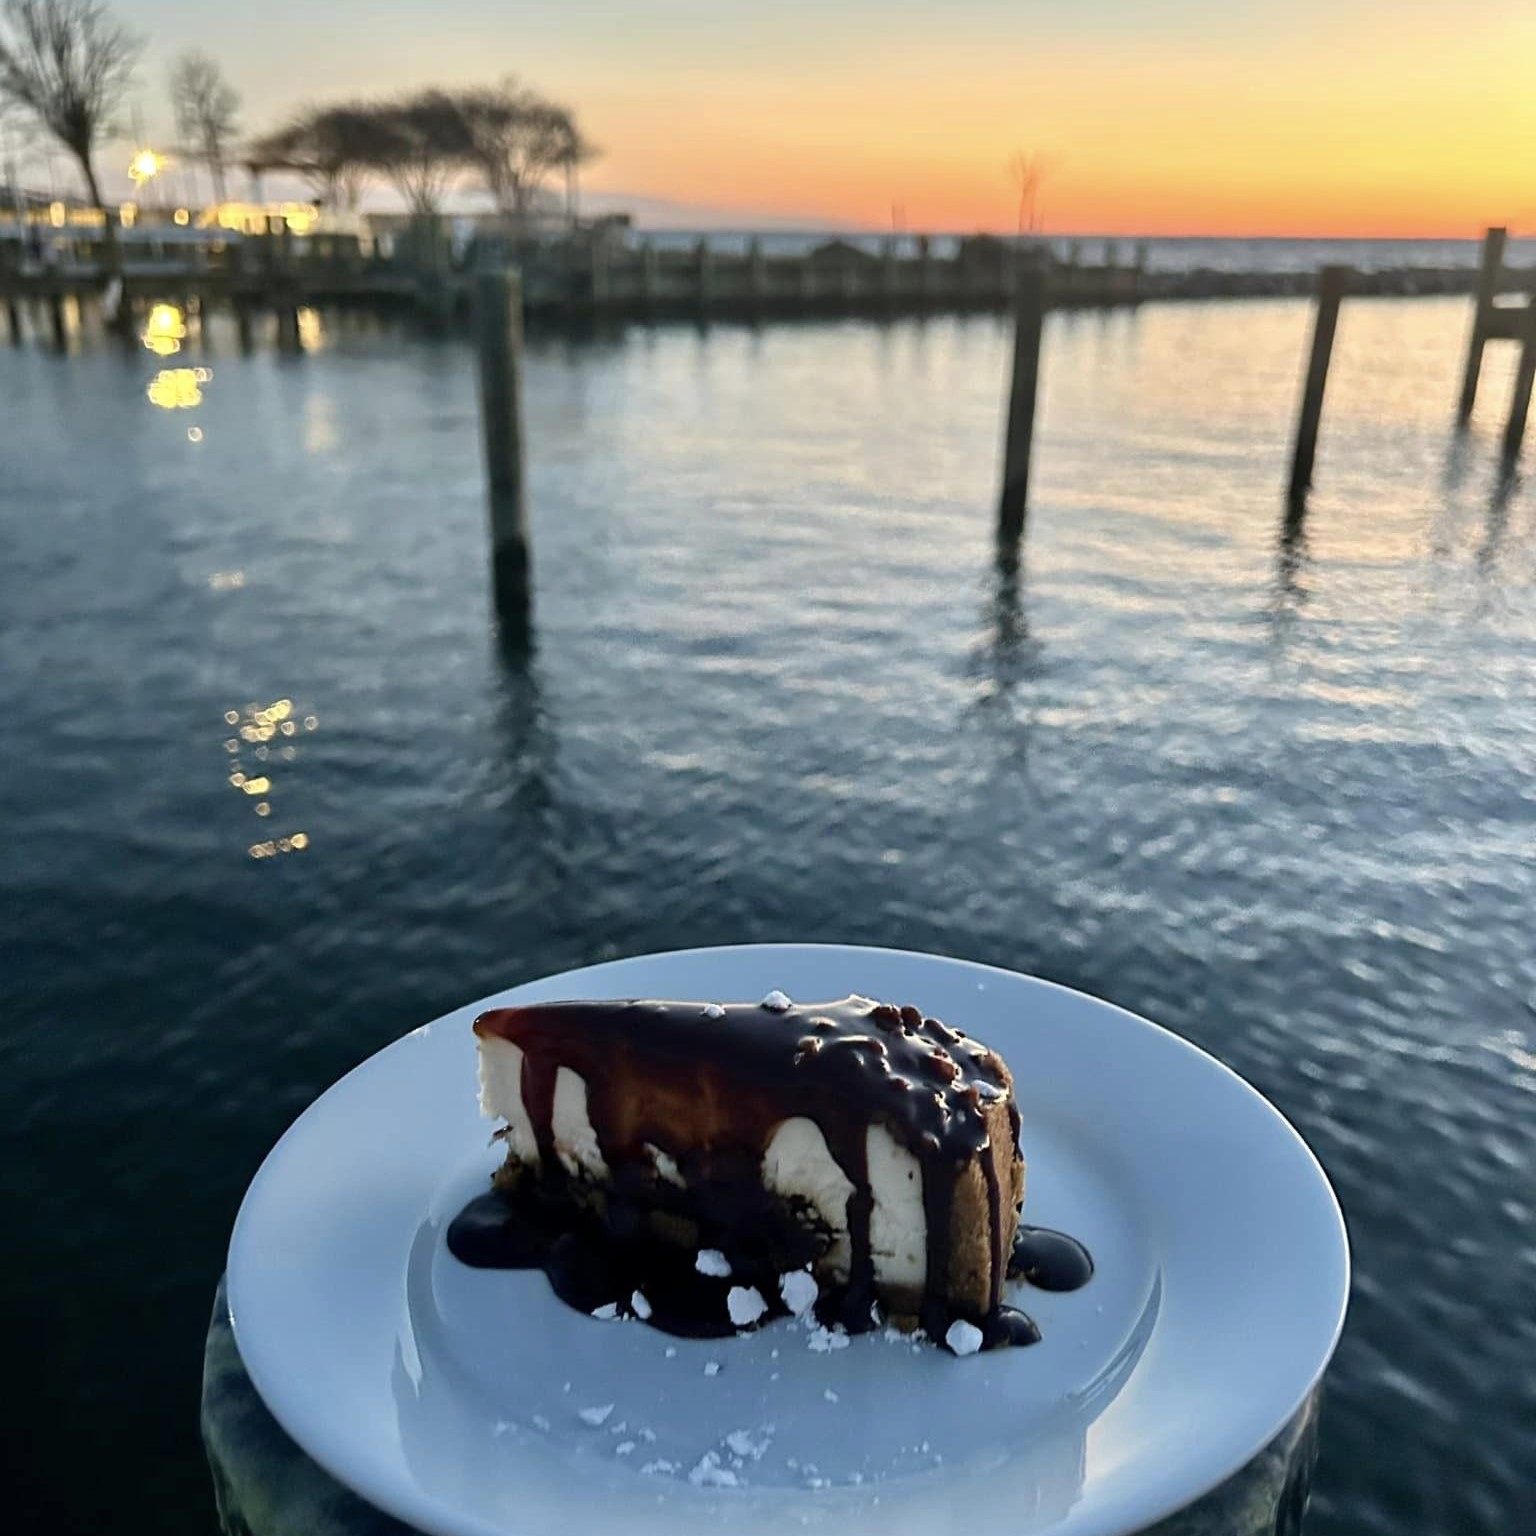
<point>757,272</point>
<point>600,281</point>
<point>13,320</point>
<point>1525,376</point>
<point>890,270</point>
<point>288,338</point>
<point>648,274</point>
<point>705,274</point>
<point>1029,318</point>
<point>57,321</point>
<point>1331,284</point>
<point>499,305</point>
<point>924,269</point>
<point>1482,312</point>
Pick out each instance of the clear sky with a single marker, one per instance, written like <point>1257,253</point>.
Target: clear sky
<point>1371,117</point>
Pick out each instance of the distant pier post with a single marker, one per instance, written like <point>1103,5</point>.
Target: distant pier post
<point>1067,271</point>
<point>600,285</point>
<point>889,270</point>
<point>924,269</point>
<point>1525,375</point>
<point>648,274</point>
<point>705,274</point>
<point>1487,291</point>
<point>757,272</point>
<point>288,337</point>
<point>57,320</point>
<point>1331,285</point>
<point>1029,318</point>
<point>13,320</point>
<point>499,315</point>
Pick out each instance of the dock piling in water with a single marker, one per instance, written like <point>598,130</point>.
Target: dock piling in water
<point>1525,376</point>
<point>499,319</point>
<point>757,273</point>
<point>288,336</point>
<point>649,274</point>
<point>1331,284</point>
<point>1029,319</point>
<point>1482,313</point>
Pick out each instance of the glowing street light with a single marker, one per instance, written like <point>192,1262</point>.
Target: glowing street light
<point>145,166</point>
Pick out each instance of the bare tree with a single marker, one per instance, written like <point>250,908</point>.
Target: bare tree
<point>332,148</point>
<point>515,140</point>
<point>511,137</point>
<point>67,63</point>
<point>207,109</point>
<point>1028,171</point>
<point>420,144</point>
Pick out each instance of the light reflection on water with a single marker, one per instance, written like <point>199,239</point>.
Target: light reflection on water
<point>165,328</point>
<point>1270,780</point>
<point>265,733</point>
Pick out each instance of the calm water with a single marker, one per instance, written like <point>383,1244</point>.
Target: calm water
<point>1278,795</point>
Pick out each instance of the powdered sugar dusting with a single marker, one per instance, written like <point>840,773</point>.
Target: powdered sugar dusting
<point>799,1291</point>
<point>744,1443</point>
<point>745,1304</point>
<point>709,1473</point>
<point>713,1263</point>
<point>963,1337</point>
<point>824,1340</point>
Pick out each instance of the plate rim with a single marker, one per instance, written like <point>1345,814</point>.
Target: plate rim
<point>436,1516</point>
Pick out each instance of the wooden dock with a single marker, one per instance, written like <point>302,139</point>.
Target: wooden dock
<point>592,278</point>
<point>599,275</point>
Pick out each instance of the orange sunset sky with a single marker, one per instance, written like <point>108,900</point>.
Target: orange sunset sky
<point>1316,117</point>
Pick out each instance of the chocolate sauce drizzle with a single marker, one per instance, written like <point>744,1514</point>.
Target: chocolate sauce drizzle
<point>730,1076</point>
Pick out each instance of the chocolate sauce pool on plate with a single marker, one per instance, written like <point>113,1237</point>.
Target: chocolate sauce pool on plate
<point>592,1267</point>
<point>1049,1261</point>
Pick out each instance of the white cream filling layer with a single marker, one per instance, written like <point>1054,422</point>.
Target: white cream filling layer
<point>898,1225</point>
<point>575,1140</point>
<point>501,1095</point>
<point>501,1098</point>
<point>798,1164</point>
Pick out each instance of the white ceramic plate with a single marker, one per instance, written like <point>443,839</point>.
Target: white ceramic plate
<point>472,1402</point>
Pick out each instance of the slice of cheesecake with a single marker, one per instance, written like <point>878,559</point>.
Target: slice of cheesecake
<point>875,1146</point>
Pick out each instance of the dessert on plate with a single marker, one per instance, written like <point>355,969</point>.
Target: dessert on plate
<point>707,1166</point>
